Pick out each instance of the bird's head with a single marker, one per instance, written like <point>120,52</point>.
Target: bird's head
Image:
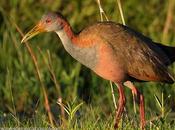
<point>49,22</point>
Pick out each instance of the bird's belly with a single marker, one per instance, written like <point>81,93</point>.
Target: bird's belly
<point>108,67</point>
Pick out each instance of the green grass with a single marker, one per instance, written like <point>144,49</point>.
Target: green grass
<point>22,103</point>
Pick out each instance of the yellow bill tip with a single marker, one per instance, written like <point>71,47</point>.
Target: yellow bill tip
<point>33,32</point>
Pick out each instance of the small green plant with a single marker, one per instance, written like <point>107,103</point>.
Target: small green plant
<point>71,108</point>
<point>164,111</point>
<point>162,103</point>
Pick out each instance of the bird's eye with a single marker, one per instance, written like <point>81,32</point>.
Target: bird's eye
<point>48,20</point>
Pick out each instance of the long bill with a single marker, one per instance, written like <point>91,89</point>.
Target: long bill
<point>33,32</point>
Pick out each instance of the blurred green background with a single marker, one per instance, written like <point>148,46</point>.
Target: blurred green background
<point>21,97</point>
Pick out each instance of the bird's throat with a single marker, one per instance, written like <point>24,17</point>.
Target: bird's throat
<point>66,38</point>
<point>87,56</point>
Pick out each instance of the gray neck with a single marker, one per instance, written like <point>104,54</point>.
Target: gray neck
<point>67,43</point>
<point>86,56</point>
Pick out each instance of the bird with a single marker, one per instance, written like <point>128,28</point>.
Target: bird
<point>114,52</point>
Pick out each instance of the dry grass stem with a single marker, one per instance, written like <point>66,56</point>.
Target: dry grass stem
<point>121,11</point>
<point>53,77</point>
<point>169,19</point>
<point>101,14</point>
<point>47,106</point>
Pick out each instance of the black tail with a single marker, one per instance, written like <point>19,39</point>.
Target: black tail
<point>169,51</point>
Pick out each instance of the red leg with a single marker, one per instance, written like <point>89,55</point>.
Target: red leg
<point>121,105</point>
<point>142,111</point>
<point>139,96</point>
